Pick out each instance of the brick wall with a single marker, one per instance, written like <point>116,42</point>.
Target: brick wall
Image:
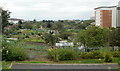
<point>106,18</point>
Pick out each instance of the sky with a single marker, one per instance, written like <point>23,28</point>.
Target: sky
<point>54,9</point>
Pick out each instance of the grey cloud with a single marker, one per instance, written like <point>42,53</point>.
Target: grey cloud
<point>55,9</point>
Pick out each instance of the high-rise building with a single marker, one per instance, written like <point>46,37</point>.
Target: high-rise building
<point>107,16</point>
<point>118,15</point>
<point>0,20</point>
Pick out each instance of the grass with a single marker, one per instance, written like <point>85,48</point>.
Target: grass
<point>30,62</point>
<point>81,61</point>
<point>6,64</point>
<point>37,40</point>
<point>85,61</point>
<point>37,47</point>
<point>34,39</point>
<point>0,65</point>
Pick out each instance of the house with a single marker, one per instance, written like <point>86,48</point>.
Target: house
<point>64,44</point>
<point>15,20</point>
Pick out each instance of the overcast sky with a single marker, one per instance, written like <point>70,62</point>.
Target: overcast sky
<point>54,9</point>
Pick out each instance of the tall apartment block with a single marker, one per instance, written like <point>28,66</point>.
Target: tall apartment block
<point>118,15</point>
<point>0,20</point>
<point>107,16</point>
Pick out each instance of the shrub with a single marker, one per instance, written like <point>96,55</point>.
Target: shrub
<point>91,55</point>
<point>13,52</point>
<point>119,62</point>
<point>51,39</point>
<point>61,54</point>
<point>116,54</point>
<point>108,57</point>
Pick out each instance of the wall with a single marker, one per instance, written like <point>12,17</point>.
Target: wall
<point>106,18</point>
<point>97,17</point>
<point>0,20</point>
<point>118,15</point>
<point>118,18</point>
<point>119,4</point>
<point>114,18</point>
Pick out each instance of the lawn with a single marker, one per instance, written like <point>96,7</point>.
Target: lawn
<point>30,62</point>
<point>81,61</point>
<point>34,39</point>
<point>37,40</point>
<point>36,47</point>
<point>6,65</point>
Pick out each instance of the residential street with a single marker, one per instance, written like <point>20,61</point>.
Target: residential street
<point>64,66</point>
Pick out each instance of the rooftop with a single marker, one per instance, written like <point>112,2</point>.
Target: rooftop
<point>105,7</point>
<point>15,19</point>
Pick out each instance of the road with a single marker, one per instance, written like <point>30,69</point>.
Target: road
<point>64,66</point>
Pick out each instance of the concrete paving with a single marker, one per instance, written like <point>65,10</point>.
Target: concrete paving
<point>64,66</point>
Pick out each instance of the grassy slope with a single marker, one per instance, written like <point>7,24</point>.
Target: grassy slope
<point>6,65</point>
<point>81,61</point>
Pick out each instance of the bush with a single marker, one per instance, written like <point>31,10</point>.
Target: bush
<point>91,55</point>
<point>51,39</point>
<point>61,54</point>
<point>119,62</point>
<point>116,54</point>
<point>108,57</point>
<point>13,52</point>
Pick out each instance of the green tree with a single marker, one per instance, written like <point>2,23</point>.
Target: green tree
<point>58,26</point>
<point>65,34</point>
<point>5,16</point>
<point>28,25</point>
<point>82,26</point>
<point>81,38</point>
<point>49,25</point>
<point>50,39</point>
<point>20,22</point>
<point>96,37</point>
<point>34,20</point>
<point>12,51</point>
<point>114,37</point>
<point>93,37</point>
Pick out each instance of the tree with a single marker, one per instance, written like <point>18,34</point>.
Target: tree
<point>81,38</point>
<point>12,51</point>
<point>64,35</point>
<point>20,22</point>
<point>51,39</point>
<point>114,37</point>
<point>5,16</point>
<point>82,26</point>
<point>28,25</point>
<point>34,20</point>
<point>96,37</point>
<point>93,37</point>
<point>49,25</point>
<point>87,21</point>
<point>57,26</point>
